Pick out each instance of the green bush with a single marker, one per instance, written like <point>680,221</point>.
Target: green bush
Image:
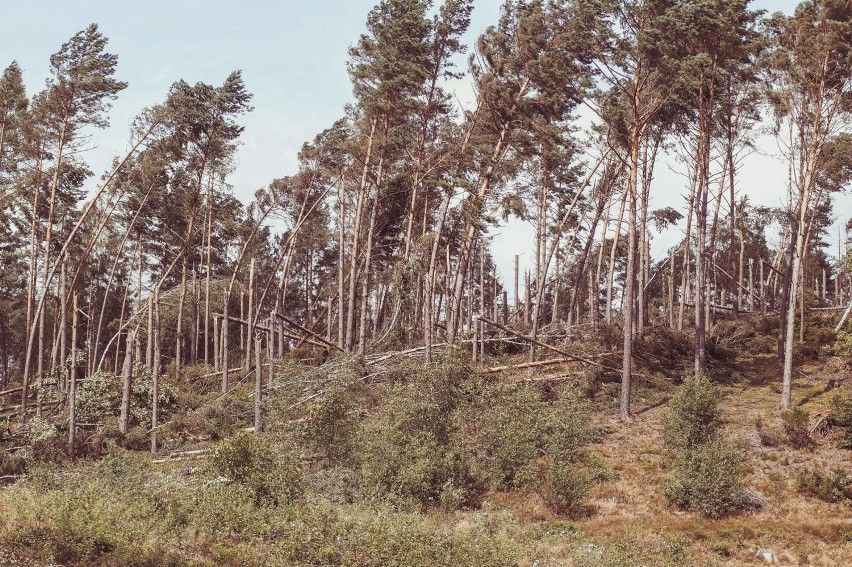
<point>565,486</point>
<point>692,417</point>
<point>796,426</point>
<point>842,344</point>
<point>271,475</point>
<point>832,486</point>
<point>707,479</point>
<point>99,397</point>
<point>841,415</point>
<point>707,473</point>
<point>507,428</point>
<point>404,450</point>
<point>330,425</point>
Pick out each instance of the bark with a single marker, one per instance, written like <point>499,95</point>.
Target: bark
<point>72,384</point>
<point>155,374</point>
<point>630,277</point>
<point>127,384</point>
<point>611,272</point>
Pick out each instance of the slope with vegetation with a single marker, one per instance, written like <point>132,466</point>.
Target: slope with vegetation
<point>336,374</point>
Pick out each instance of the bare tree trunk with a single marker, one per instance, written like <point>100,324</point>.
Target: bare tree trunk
<point>149,354</point>
<point>630,277</point>
<point>207,274</point>
<point>31,277</point>
<point>356,232</point>
<point>368,260</point>
<point>223,349</point>
<point>613,251</point>
<point>341,263</point>
<point>687,245</point>
<point>155,373</point>
<point>72,384</point>
<point>127,384</point>
<point>517,303</point>
<point>250,314</point>
<point>258,381</point>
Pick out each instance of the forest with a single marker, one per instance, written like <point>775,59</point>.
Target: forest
<point>337,373</point>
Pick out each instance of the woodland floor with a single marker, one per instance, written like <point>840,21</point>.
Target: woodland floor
<point>800,530</point>
<point>627,520</point>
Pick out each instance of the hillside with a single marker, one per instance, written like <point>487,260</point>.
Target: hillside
<point>382,461</point>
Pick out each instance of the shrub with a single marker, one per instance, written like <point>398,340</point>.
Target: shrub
<point>99,397</point>
<point>272,476</point>
<point>707,479</point>
<point>507,428</point>
<point>503,431</point>
<point>11,464</point>
<point>565,486</point>
<point>692,417</point>
<point>404,450</point>
<point>330,425</point>
<point>45,442</point>
<point>707,474</point>
<point>841,415</point>
<point>797,428</point>
<point>832,486</point>
<point>842,344</point>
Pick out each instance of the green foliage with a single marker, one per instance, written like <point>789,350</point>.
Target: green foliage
<point>796,426</point>
<point>270,475</point>
<point>331,423</point>
<point>843,344</point>
<point>77,517</point>
<point>692,417</point>
<point>45,441</point>
<point>565,486</point>
<point>841,414</point>
<point>707,473</point>
<point>832,486</point>
<point>404,449</point>
<point>442,436</point>
<point>99,396</point>
<point>507,429</point>
<point>11,464</point>
<point>707,479</point>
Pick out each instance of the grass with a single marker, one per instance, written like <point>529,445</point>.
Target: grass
<point>121,510</point>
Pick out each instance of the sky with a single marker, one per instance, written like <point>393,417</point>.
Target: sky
<point>293,56</point>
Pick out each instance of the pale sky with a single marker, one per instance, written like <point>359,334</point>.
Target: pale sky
<point>293,56</point>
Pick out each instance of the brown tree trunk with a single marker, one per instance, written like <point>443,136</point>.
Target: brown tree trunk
<point>72,384</point>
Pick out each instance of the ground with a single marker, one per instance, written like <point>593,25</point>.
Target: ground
<point>626,520</point>
<point>800,530</point>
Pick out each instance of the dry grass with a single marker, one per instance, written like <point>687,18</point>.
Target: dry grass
<point>801,530</point>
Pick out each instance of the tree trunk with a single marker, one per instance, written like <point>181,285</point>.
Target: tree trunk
<point>630,277</point>
<point>155,374</point>
<point>127,384</point>
<point>72,384</point>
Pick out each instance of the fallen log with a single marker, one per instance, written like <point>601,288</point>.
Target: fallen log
<point>543,345</point>
<point>309,332</point>
<point>175,456</point>
<point>822,426</point>
<point>11,391</point>
<point>843,319</point>
<point>536,364</point>
<point>203,376</point>
<point>242,322</point>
